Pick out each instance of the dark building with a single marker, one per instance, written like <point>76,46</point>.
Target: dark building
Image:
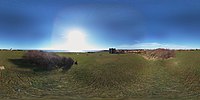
<point>112,50</point>
<point>124,51</point>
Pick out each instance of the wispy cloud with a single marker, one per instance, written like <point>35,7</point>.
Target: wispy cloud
<point>152,46</point>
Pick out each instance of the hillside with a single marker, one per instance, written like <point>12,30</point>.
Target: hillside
<point>103,75</point>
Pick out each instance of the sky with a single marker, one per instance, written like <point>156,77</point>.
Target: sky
<point>99,24</point>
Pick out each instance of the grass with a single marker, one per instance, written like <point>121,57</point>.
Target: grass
<point>104,76</point>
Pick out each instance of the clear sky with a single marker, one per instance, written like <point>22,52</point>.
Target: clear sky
<point>99,24</point>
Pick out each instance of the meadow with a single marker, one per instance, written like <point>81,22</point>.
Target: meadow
<point>103,76</point>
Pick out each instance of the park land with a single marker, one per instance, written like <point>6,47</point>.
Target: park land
<point>103,76</point>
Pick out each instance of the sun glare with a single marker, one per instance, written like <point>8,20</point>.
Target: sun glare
<point>72,40</point>
<point>77,41</point>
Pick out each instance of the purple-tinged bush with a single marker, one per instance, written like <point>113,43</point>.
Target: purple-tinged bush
<point>48,61</point>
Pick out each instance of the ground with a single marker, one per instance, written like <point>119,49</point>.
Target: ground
<point>103,76</point>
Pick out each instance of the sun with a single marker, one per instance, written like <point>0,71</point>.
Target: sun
<point>72,40</point>
<point>76,41</point>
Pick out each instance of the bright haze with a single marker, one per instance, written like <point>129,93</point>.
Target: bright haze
<point>77,25</point>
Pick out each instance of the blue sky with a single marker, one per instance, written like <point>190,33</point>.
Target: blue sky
<point>46,24</point>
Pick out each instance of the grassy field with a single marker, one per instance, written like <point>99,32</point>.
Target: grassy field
<point>103,76</point>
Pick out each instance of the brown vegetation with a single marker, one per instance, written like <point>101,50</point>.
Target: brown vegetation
<point>159,54</point>
<point>48,61</point>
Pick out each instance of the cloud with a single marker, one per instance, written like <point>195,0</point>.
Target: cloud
<point>152,46</point>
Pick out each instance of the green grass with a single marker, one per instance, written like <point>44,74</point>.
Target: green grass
<point>104,76</point>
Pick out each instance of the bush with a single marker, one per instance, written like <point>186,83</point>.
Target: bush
<point>48,61</point>
<point>160,53</point>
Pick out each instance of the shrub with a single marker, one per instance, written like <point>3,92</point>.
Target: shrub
<point>48,61</point>
<point>160,53</point>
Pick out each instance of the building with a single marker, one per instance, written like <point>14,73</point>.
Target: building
<point>112,50</point>
<point>123,51</point>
